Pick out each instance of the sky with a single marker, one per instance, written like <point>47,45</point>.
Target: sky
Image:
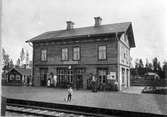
<point>25,19</point>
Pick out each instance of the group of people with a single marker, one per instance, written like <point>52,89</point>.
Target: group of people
<point>52,80</point>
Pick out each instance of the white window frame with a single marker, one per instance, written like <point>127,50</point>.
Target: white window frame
<point>102,52</point>
<point>44,55</point>
<point>76,53</point>
<point>64,53</point>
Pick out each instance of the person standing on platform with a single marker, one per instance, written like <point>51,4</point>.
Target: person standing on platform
<point>70,92</point>
<point>55,80</point>
<point>48,82</point>
<point>94,89</point>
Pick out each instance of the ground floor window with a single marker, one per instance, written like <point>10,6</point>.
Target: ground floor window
<point>102,75</point>
<point>17,77</point>
<point>123,75</point>
<point>64,77</point>
<point>43,76</point>
<point>127,76</point>
<point>11,77</point>
<point>72,77</point>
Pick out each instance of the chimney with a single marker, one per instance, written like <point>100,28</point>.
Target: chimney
<point>97,21</point>
<point>70,25</point>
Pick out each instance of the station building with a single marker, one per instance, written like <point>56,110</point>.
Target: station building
<point>75,53</point>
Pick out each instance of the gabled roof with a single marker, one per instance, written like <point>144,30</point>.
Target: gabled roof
<point>87,31</point>
<point>22,71</point>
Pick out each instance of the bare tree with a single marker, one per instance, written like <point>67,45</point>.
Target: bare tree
<point>11,65</point>
<point>22,55</point>
<point>18,62</point>
<point>27,58</point>
<point>5,59</point>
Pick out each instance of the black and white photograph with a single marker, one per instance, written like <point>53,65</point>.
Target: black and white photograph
<point>83,58</point>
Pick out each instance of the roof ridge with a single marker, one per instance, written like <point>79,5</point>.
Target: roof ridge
<point>87,27</point>
<point>81,31</point>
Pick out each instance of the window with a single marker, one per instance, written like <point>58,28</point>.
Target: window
<point>17,77</point>
<point>102,52</point>
<point>76,53</point>
<point>11,77</point>
<point>102,73</point>
<point>64,76</point>
<point>123,75</point>
<point>65,54</point>
<point>43,55</point>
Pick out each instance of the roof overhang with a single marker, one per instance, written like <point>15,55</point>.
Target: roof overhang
<point>130,35</point>
<point>73,37</point>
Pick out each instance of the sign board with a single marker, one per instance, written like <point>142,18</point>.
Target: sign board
<point>70,62</point>
<point>112,76</point>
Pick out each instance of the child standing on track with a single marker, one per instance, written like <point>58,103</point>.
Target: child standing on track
<point>70,91</point>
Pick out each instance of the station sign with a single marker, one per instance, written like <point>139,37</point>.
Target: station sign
<point>70,62</point>
<point>111,76</point>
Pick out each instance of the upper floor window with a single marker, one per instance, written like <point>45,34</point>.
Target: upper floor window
<point>65,54</point>
<point>43,55</point>
<point>102,52</point>
<point>76,53</point>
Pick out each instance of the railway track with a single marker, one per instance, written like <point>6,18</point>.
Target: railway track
<point>45,112</point>
<point>48,112</point>
<point>45,109</point>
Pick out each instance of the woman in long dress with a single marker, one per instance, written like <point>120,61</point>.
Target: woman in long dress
<point>55,80</point>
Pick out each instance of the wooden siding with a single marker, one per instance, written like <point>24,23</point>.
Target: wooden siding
<point>89,53</point>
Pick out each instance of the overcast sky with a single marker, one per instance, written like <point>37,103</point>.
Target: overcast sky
<point>24,19</point>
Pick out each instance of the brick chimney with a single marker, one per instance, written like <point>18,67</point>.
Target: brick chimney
<point>70,25</point>
<point>97,21</point>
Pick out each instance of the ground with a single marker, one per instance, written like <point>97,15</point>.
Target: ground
<point>126,100</point>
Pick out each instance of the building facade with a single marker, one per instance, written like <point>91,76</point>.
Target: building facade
<point>74,54</point>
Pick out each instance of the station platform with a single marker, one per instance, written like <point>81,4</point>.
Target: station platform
<point>147,103</point>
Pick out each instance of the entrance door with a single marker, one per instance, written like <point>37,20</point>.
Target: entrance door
<point>65,77</point>
<point>79,77</point>
<point>102,78</point>
<point>43,76</point>
<point>127,77</point>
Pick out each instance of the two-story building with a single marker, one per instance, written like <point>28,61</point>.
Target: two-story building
<point>75,53</point>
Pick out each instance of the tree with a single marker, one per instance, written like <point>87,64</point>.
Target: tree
<point>155,64</point>
<point>136,63</point>
<point>22,55</point>
<point>11,65</point>
<point>136,66</point>
<point>5,60</point>
<point>147,69</point>
<point>150,67</point>
<point>160,72</point>
<point>27,58</point>
<point>140,68</point>
<point>18,62</point>
<point>164,69</point>
<point>141,63</point>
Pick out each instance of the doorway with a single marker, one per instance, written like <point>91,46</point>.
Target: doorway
<point>43,76</point>
<point>79,77</point>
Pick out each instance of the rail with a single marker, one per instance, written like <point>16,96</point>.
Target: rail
<point>57,110</point>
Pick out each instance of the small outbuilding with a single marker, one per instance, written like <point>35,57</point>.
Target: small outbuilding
<point>19,77</point>
<point>152,76</point>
